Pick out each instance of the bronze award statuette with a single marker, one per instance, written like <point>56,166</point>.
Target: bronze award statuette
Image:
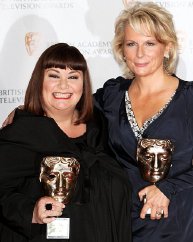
<point>58,176</point>
<point>154,159</point>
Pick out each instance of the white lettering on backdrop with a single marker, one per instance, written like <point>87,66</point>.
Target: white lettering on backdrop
<point>33,25</point>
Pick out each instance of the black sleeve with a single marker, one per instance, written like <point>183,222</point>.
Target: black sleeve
<point>18,188</point>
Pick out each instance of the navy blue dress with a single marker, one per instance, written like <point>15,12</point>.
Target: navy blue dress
<point>176,124</point>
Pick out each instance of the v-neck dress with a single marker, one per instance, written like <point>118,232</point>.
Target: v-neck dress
<point>138,131</point>
<point>175,122</point>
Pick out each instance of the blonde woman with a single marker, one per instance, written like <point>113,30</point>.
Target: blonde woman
<point>151,102</point>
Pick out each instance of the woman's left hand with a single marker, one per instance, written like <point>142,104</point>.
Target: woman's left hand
<point>156,201</point>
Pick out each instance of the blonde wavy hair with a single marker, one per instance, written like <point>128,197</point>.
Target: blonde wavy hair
<point>154,20</point>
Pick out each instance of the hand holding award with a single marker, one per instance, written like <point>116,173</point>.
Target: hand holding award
<point>58,176</point>
<point>154,161</point>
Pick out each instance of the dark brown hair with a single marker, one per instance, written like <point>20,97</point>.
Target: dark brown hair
<point>62,56</point>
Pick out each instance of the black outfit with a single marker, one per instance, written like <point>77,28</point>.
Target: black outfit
<point>175,123</point>
<point>100,207</point>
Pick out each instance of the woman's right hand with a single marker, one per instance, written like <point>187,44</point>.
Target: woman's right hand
<point>41,215</point>
<point>156,201</point>
<point>10,117</point>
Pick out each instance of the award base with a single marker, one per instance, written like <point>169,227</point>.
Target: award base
<point>59,229</point>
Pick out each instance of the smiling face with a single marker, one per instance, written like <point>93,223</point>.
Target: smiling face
<point>144,55</point>
<point>60,83</point>
<point>62,89</point>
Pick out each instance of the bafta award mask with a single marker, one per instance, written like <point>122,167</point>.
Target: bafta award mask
<point>154,158</point>
<point>32,41</point>
<point>59,176</point>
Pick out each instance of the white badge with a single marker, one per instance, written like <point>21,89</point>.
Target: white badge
<point>59,229</point>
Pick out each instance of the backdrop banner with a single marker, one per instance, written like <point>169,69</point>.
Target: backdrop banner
<point>27,27</point>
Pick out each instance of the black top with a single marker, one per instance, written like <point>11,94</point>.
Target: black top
<point>100,208</point>
<point>176,124</point>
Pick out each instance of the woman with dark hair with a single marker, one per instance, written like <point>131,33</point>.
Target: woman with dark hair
<point>54,58</point>
<point>58,120</point>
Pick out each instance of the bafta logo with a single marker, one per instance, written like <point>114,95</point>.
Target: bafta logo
<point>32,41</point>
<point>182,40</point>
<point>126,2</point>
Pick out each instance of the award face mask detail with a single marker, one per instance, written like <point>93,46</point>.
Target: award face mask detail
<point>154,158</point>
<point>58,176</point>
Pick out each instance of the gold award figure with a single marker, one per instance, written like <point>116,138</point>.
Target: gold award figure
<point>58,176</point>
<point>32,41</point>
<point>154,159</point>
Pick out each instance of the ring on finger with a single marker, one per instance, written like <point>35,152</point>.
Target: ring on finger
<point>158,213</point>
<point>48,206</point>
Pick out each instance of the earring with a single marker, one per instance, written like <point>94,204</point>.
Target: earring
<point>166,55</point>
<point>165,62</point>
